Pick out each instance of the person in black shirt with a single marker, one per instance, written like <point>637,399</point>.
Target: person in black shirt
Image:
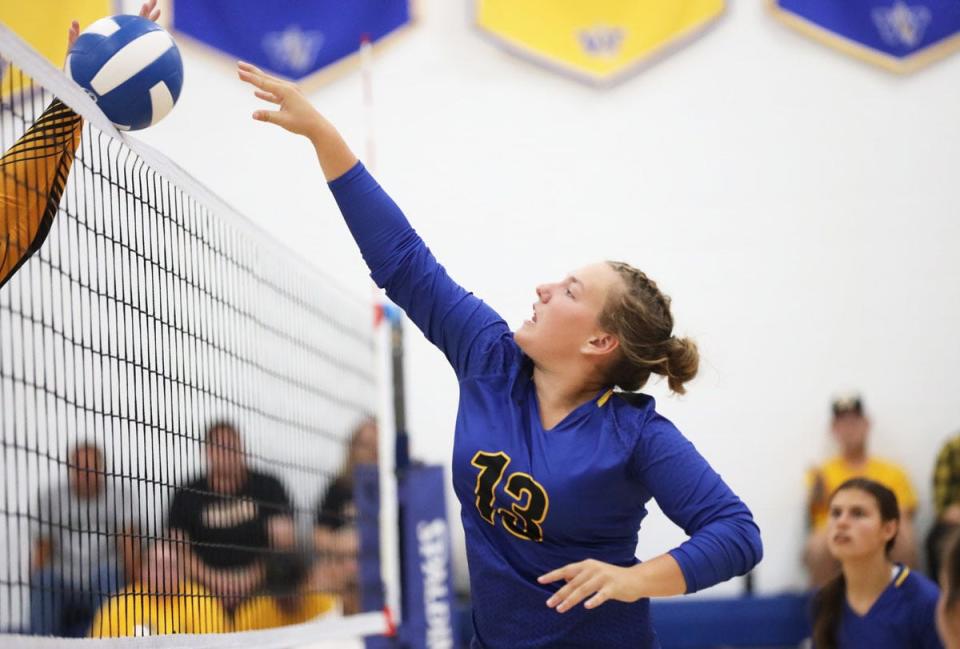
<point>231,516</point>
<point>335,532</point>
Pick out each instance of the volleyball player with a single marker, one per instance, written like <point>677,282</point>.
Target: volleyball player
<point>553,466</point>
<point>34,171</point>
<point>874,603</point>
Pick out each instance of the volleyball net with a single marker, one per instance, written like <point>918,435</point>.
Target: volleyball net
<point>185,446</point>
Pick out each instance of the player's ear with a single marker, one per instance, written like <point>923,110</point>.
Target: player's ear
<point>890,529</point>
<point>600,344</point>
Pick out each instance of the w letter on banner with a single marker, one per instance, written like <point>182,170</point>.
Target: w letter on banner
<point>291,38</point>
<point>599,40</point>
<point>899,35</point>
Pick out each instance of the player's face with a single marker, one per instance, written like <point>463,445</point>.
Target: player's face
<point>854,526</point>
<point>565,314</point>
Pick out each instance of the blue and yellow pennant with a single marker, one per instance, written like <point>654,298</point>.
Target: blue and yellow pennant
<point>899,35</point>
<point>291,38</point>
<point>599,40</point>
<point>43,24</point>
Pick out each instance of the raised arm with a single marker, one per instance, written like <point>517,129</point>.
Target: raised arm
<point>297,115</point>
<point>474,338</point>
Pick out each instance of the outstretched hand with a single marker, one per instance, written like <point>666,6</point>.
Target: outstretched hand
<point>72,34</point>
<point>148,10</point>
<point>295,114</point>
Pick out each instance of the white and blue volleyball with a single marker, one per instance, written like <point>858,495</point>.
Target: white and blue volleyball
<point>131,67</point>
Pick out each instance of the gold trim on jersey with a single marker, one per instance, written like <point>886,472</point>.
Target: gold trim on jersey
<point>902,577</point>
<point>602,401</point>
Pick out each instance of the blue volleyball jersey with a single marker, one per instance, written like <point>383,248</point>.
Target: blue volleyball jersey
<point>533,500</point>
<point>903,617</point>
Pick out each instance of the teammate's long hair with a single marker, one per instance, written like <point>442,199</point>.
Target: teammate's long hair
<point>829,600</point>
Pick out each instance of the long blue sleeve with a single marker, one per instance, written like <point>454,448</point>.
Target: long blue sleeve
<point>474,338</point>
<point>724,539</point>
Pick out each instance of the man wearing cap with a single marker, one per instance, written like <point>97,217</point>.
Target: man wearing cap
<point>851,428</point>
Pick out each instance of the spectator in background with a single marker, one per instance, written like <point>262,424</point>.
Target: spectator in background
<point>231,515</point>
<point>874,602</point>
<point>851,429</point>
<point>82,538</point>
<point>946,500</point>
<point>335,535</point>
<point>161,601</point>
<point>948,608</point>
<point>286,596</point>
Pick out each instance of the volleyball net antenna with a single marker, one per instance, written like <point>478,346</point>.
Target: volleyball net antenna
<point>182,404</point>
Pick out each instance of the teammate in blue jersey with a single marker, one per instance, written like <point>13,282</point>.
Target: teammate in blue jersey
<point>873,603</point>
<point>553,467</point>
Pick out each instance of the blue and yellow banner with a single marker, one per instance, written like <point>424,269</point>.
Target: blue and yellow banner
<point>899,35</point>
<point>291,38</point>
<point>44,24</point>
<point>599,40</point>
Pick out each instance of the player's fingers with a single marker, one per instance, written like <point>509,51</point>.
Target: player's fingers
<point>147,8</point>
<point>267,96</point>
<point>258,81</point>
<point>250,67</point>
<point>271,116</point>
<point>578,594</point>
<point>569,587</point>
<point>566,572</point>
<point>155,14</point>
<point>599,598</point>
<point>73,33</point>
<point>263,81</point>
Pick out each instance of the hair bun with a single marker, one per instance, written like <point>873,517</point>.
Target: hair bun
<point>683,361</point>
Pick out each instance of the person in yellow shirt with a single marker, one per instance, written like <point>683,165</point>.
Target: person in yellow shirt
<point>160,602</point>
<point>287,597</point>
<point>851,429</point>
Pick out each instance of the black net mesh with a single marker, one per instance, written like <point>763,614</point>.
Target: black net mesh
<point>178,399</point>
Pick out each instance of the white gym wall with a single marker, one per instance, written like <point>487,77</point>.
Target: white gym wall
<point>801,207</point>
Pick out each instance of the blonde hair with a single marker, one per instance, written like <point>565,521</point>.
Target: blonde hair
<point>639,316</point>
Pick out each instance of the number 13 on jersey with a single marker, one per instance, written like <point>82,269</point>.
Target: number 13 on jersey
<point>524,517</point>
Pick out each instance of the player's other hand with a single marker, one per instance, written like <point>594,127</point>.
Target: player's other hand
<point>72,34</point>
<point>594,579</point>
<point>295,114</point>
<point>148,10</point>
